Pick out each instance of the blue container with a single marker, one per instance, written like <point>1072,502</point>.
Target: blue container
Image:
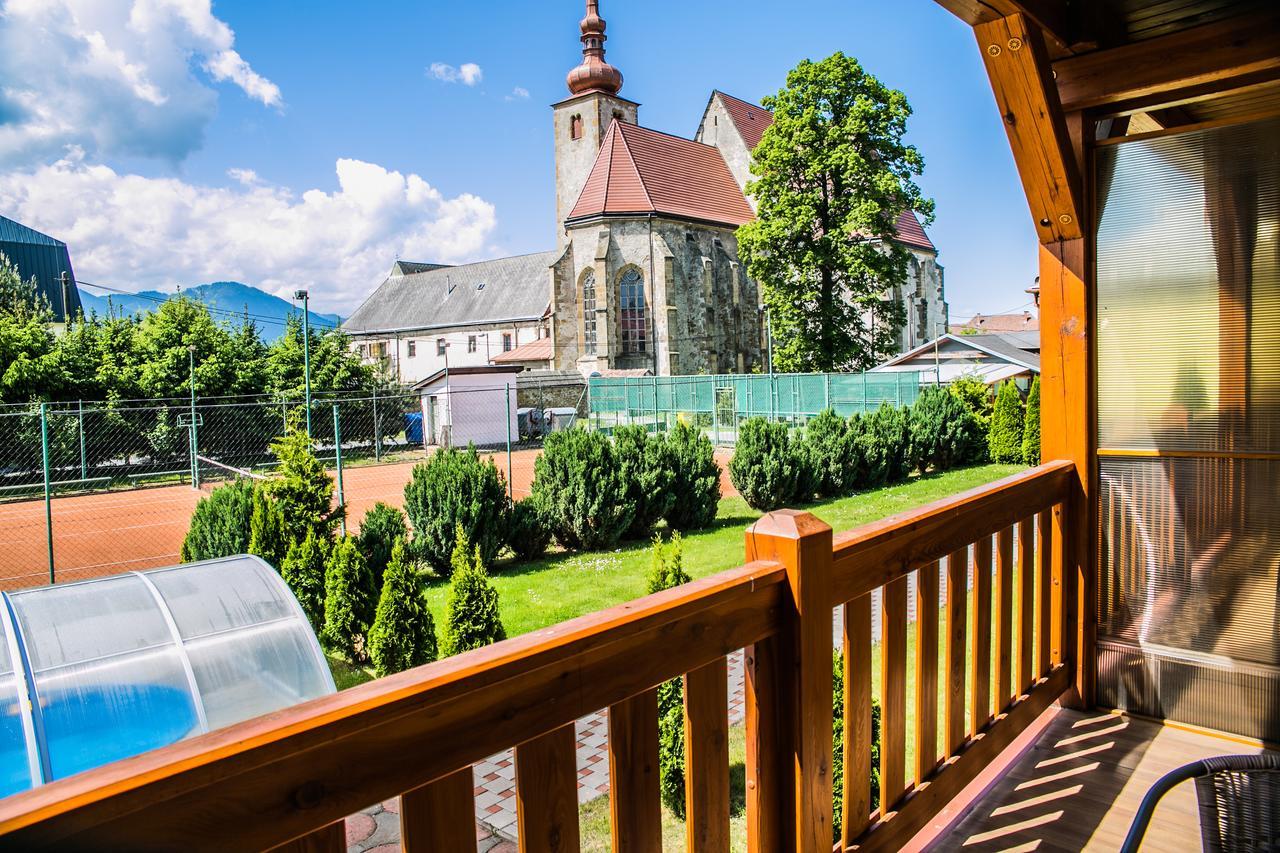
<point>413,427</point>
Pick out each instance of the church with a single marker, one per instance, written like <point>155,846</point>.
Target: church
<point>645,276</point>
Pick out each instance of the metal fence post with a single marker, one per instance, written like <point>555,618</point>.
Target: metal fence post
<point>864,392</point>
<point>84,464</point>
<point>48,506</point>
<point>377,429</point>
<point>510,487</point>
<point>827,378</point>
<point>897,389</point>
<point>337,449</point>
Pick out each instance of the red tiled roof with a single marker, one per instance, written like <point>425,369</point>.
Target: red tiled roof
<point>752,120</point>
<point>1024,322</point>
<point>643,171</point>
<point>539,350</point>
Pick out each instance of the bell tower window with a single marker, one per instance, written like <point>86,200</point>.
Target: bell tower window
<point>575,127</point>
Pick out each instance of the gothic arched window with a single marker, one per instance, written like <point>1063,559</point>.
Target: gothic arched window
<point>589,313</point>
<point>631,311</point>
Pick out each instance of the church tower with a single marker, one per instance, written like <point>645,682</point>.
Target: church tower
<point>583,118</point>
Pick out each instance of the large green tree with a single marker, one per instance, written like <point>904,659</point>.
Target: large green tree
<point>832,177</point>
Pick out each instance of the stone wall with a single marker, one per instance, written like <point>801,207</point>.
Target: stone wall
<point>574,157</point>
<point>717,128</point>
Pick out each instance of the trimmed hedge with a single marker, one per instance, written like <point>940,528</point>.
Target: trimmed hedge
<point>1031,426</point>
<point>765,468</point>
<point>382,527</point>
<point>580,482</point>
<point>303,570</point>
<point>471,612</point>
<point>944,433</point>
<point>456,488</point>
<point>220,523</point>
<point>647,470</point>
<point>528,530</point>
<point>349,599</point>
<point>1005,439</point>
<point>831,455</point>
<point>403,634</point>
<point>695,482</point>
<point>885,443</point>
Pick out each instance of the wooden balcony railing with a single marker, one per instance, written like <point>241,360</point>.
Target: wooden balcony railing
<point>288,779</point>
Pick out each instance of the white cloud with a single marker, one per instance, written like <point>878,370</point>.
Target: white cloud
<point>519,93</point>
<point>137,232</point>
<point>115,77</point>
<point>468,73</point>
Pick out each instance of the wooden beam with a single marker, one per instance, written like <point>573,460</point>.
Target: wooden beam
<point>1049,15</point>
<point>1215,57</point>
<point>1013,52</point>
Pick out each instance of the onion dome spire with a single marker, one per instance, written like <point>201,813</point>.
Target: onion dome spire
<point>594,74</point>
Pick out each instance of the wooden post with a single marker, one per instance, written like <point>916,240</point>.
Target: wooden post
<point>635,804</point>
<point>794,811</point>
<point>706,739</point>
<point>439,816</point>
<point>857,718</point>
<point>327,839</point>
<point>546,793</point>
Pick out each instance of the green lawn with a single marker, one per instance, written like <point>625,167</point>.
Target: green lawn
<point>564,585</point>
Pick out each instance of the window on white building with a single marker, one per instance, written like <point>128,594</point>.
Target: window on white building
<point>506,342</point>
<point>471,343</point>
<point>440,345</point>
<point>413,348</point>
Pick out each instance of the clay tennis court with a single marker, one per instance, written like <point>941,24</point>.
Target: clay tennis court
<point>120,531</point>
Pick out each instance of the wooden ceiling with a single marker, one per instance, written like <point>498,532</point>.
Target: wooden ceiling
<point>1154,63</point>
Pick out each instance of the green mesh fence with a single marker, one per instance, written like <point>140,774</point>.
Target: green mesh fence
<point>718,403</point>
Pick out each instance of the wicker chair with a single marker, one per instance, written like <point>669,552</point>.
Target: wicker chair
<point>1239,798</point>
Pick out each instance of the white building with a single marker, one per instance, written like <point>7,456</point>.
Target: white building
<point>426,317</point>
<point>466,405</point>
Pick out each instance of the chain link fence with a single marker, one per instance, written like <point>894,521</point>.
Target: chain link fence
<point>718,404</point>
<point>94,488</point>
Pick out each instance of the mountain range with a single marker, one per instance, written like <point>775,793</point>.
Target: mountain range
<point>227,300</point>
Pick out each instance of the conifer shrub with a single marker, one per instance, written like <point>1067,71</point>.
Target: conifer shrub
<point>471,613</point>
<point>1004,441</point>
<point>859,475</point>
<point>645,461</point>
<point>886,445</point>
<point>975,395</point>
<point>765,468</point>
<point>837,746</point>
<point>267,537</point>
<point>220,523</point>
<point>303,570</point>
<point>832,454</point>
<point>1031,426</point>
<point>580,482</point>
<point>403,633</point>
<point>302,489</point>
<point>348,601</point>
<point>944,433</point>
<point>695,482</point>
<point>383,525</point>
<point>528,530</point>
<point>456,488</point>
<point>667,572</point>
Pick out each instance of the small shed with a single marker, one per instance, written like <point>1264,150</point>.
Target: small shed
<point>993,358</point>
<point>470,405</point>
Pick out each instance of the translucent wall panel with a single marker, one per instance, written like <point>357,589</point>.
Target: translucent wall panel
<point>108,675</point>
<point>1189,291</point>
<point>15,763</point>
<point>1188,348</point>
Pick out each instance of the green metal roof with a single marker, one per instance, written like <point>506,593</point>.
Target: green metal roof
<point>42,257</point>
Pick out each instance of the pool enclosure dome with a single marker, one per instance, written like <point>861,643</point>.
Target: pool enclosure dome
<point>100,670</point>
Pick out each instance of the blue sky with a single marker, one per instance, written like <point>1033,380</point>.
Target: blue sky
<point>226,161</point>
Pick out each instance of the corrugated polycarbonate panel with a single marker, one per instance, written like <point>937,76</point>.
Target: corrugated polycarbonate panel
<point>15,757</point>
<point>1188,347</point>
<point>1189,291</point>
<point>208,598</point>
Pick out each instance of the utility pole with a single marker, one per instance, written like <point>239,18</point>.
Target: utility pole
<point>306,353</point>
<point>66,298</point>
<point>195,443</point>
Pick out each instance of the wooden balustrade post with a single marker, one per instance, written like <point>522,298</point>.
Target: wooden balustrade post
<point>547,793</point>
<point>327,839</point>
<point>788,696</point>
<point>440,815</point>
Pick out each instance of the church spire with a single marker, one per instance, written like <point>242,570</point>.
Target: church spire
<point>594,74</point>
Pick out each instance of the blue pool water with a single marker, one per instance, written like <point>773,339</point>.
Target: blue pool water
<point>90,727</point>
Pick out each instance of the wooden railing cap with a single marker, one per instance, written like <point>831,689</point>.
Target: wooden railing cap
<point>788,524</point>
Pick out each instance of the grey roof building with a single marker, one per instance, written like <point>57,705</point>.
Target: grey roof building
<point>992,357</point>
<point>422,297</point>
<point>43,258</point>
